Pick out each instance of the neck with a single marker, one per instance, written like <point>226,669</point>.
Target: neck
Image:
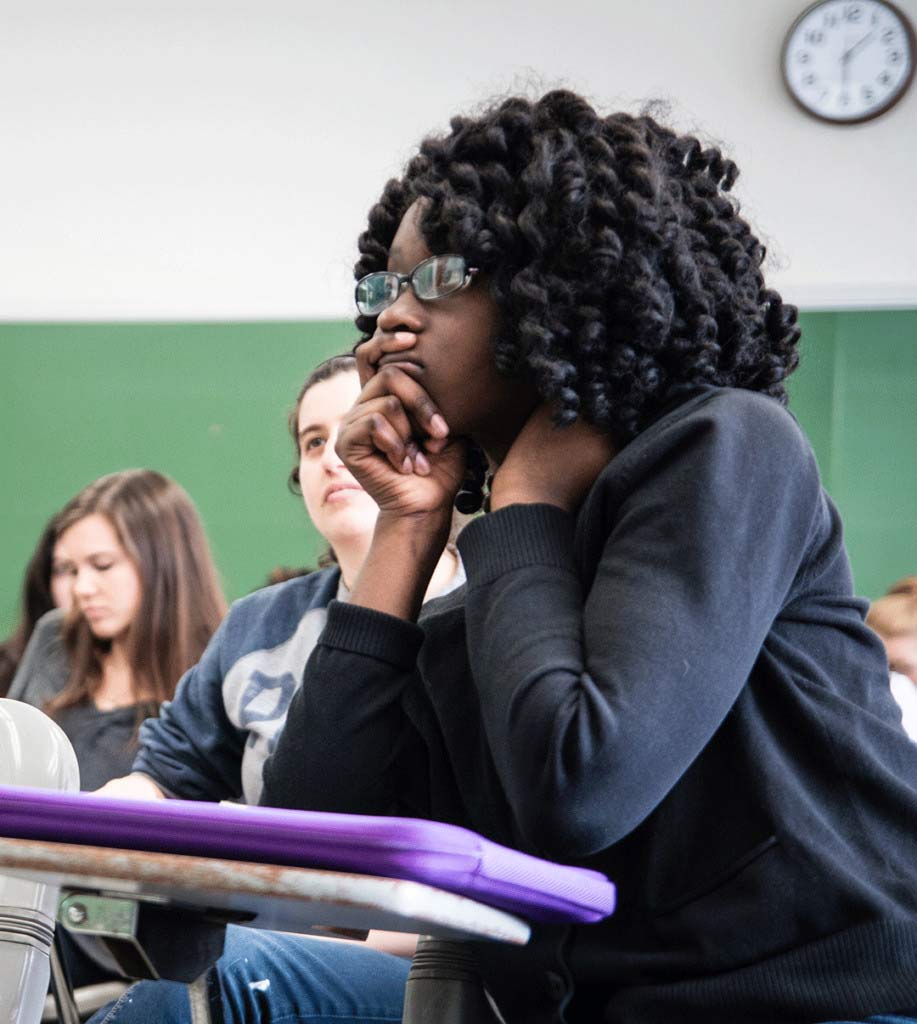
<point>116,659</point>
<point>350,555</point>
<point>116,689</point>
<point>442,574</point>
<point>497,443</point>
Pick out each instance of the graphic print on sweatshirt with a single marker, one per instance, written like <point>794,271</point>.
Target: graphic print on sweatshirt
<point>257,691</point>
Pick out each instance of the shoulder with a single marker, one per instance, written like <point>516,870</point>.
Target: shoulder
<point>269,616</point>
<point>44,668</point>
<point>49,630</point>
<point>46,644</point>
<point>729,429</point>
<point>717,456</point>
<point>733,411</point>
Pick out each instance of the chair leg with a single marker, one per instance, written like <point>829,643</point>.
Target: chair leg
<point>35,753</point>
<point>199,1000</point>
<point>445,985</point>
<point>67,1012</point>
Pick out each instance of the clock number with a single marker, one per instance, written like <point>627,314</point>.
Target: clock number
<point>888,35</point>
<point>844,99</point>
<point>853,12</point>
<point>868,94</point>
<point>830,20</point>
<point>815,36</point>
<point>803,57</point>
<point>895,57</point>
<point>885,78</point>
<point>808,79</point>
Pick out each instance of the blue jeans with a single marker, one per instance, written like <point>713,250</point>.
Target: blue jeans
<point>267,976</point>
<point>883,1018</point>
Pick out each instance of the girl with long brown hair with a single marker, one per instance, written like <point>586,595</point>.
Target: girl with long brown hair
<point>146,600</point>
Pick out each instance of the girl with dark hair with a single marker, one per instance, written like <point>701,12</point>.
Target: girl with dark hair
<point>657,667</point>
<point>146,600</point>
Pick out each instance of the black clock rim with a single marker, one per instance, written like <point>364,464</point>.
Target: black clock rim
<point>889,103</point>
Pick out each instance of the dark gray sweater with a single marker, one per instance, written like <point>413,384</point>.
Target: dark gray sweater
<point>676,687</point>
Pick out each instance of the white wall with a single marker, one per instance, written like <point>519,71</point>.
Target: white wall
<point>184,159</point>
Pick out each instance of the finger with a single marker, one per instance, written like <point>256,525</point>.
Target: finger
<point>369,352</point>
<point>435,445</point>
<point>422,411</point>
<point>370,414</point>
<point>371,430</point>
<point>386,441</point>
<point>363,353</point>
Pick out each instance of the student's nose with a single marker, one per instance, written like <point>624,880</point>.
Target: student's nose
<point>84,582</point>
<point>331,461</point>
<point>406,313</point>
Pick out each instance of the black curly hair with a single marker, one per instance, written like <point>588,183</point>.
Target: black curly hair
<point>618,260</point>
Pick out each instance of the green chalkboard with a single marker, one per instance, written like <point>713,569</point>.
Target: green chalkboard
<point>204,403</point>
<point>207,404</point>
<point>855,394</point>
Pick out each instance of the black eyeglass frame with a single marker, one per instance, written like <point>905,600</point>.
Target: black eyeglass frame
<point>408,279</point>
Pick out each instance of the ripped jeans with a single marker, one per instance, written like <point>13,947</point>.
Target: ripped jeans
<point>269,976</point>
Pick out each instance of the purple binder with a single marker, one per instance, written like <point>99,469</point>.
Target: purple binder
<point>445,856</point>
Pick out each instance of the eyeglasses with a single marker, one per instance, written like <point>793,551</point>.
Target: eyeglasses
<point>432,278</point>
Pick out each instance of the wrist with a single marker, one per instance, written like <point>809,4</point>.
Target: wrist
<point>418,527</point>
<point>400,563</point>
<point>145,784</point>
<point>523,492</point>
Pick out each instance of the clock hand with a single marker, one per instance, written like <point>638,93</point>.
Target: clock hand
<point>845,60</point>
<point>853,49</point>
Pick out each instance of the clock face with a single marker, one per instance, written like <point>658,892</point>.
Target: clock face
<point>847,61</point>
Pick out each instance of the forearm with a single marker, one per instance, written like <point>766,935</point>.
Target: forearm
<point>400,563</point>
<point>596,702</point>
<point>184,772</point>
<point>192,750</point>
<point>347,744</point>
<point>136,786</point>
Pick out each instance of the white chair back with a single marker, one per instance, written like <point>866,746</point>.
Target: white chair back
<point>33,752</point>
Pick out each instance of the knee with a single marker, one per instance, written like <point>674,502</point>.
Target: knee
<point>148,1002</point>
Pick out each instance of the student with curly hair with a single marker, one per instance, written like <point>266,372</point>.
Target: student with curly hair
<point>657,667</point>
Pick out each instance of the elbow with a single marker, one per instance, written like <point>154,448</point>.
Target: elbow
<point>567,827</point>
<point>570,816</point>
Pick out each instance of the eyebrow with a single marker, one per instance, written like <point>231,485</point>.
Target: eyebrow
<point>99,553</point>
<point>309,429</point>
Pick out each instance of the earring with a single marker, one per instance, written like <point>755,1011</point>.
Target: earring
<point>474,494</point>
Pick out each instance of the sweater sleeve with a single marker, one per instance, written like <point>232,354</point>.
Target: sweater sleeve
<point>192,750</point>
<point>44,668</point>
<point>348,744</point>
<point>597,696</point>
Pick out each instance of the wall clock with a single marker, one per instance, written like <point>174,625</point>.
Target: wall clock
<point>847,62</point>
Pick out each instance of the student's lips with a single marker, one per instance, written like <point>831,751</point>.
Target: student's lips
<point>410,366</point>
<point>93,614</point>
<point>340,492</point>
